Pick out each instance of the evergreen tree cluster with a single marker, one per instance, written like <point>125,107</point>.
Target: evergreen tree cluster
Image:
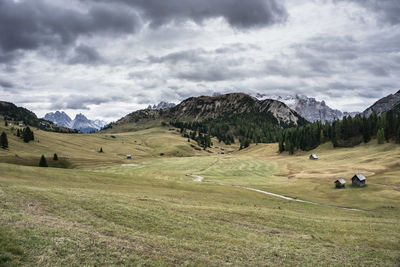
<point>347,132</point>
<point>248,128</point>
<point>198,132</point>
<point>26,134</point>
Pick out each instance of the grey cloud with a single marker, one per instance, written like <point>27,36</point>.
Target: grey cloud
<point>210,74</point>
<point>237,47</point>
<point>85,55</point>
<point>81,101</point>
<point>201,55</point>
<point>28,25</point>
<point>175,57</point>
<point>378,71</point>
<point>6,84</point>
<point>238,13</point>
<point>387,10</point>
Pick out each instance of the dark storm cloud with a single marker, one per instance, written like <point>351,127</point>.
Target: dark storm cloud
<point>387,10</point>
<point>85,55</point>
<point>238,13</point>
<point>28,25</point>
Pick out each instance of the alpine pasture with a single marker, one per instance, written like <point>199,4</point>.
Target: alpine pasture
<point>103,209</point>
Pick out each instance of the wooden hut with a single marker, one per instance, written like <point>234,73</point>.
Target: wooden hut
<point>358,180</point>
<point>313,157</point>
<point>128,156</point>
<point>340,183</point>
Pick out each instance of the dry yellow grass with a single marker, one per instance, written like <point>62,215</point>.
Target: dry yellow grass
<point>99,212</point>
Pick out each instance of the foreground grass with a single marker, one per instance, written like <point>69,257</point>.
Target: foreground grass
<point>97,212</point>
<point>107,217</point>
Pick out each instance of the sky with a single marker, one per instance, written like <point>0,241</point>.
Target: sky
<point>109,58</point>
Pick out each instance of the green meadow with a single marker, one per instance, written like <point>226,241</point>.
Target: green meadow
<point>101,209</point>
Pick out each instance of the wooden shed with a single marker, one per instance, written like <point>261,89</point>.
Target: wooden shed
<point>313,157</point>
<point>340,183</point>
<point>128,156</point>
<point>358,180</point>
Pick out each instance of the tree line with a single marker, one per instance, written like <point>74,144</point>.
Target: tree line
<point>348,132</point>
<point>250,128</point>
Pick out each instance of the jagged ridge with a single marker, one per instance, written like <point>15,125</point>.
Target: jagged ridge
<point>80,122</point>
<point>390,102</point>
<point>221,106</point>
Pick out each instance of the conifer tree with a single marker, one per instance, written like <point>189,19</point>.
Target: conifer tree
<point>43,162</point>
<point>27,135</point>
<point>55,157</point>
<point>3,140</point>
<point>281,146</point>
<point>5,123</point>
<point>380,136</point>
<point>101,150</point>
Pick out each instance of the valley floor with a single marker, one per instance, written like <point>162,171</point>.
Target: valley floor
<point>174,205</point>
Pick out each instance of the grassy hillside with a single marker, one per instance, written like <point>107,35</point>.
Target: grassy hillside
<point>100,211</point>
<point>82,150</point>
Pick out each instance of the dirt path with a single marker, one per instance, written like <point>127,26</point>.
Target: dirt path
<point>199,178</point>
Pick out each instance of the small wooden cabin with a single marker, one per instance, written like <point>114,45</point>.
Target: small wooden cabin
<point>358,180</point>
<point>340,183</point>
<point>129,156</point>
<point>313,157</point>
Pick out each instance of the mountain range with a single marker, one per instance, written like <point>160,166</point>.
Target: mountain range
<point>285,111</point>
<point>80,122</point>
<point>310,108</point>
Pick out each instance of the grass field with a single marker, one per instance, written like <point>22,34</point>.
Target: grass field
<point>101,209</point>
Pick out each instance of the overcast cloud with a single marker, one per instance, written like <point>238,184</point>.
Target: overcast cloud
<point>108,58</point>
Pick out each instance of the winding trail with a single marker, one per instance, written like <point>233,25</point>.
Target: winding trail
<point>199,178</point>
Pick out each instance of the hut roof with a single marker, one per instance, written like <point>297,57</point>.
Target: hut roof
<point>341,181</point>
<point>314,156</point>
<point>360,176</point>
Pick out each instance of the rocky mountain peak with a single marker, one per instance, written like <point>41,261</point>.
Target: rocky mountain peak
<point>220,107</point>
<point>81,122</point>
<point>384,104</point>
<point>162,105</point>
<point>309,108</point>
